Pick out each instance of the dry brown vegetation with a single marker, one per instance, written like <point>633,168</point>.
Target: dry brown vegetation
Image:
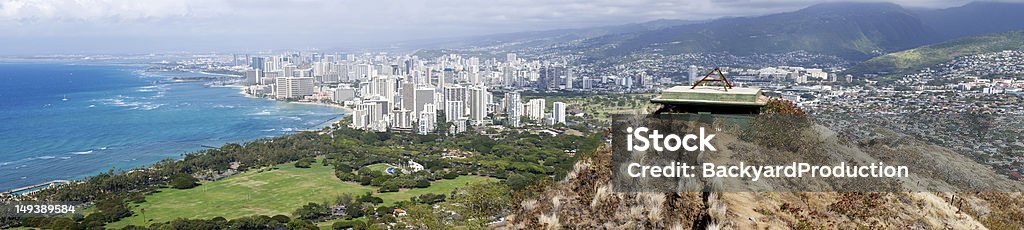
<point>585,198</point>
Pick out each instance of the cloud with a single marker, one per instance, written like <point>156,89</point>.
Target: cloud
<point>171,24</point>
<point>103,10</point>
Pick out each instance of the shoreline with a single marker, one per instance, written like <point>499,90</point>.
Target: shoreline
<point>346,110</point>
<point>327,123</point>
<point>216,74</point>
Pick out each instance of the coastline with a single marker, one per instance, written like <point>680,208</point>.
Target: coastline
<point>326,122</point>
<point>216,74</point>
<point>347,110</point>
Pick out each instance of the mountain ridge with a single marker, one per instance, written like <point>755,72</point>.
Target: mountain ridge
<point>910,60</point>
<point>855,31</point>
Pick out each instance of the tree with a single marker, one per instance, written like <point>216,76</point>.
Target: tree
<point>369,198</point>
<point>298,224</point>
<point>422,183</point>
<point>429,198</point>
<point>425,217</point>
<point>349,224</point>
<point>281,218</point>
<point>304,163</point>
<point>183,181</point>
<point>311,211</point>
<point>482,200</point>
<point>388,187</point>
<point>111,210</point>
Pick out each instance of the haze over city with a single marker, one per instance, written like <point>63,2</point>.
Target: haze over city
<point>67,27</point>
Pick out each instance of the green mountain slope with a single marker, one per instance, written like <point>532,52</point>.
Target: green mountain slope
<point>914,59</point>
<point>856,31</point>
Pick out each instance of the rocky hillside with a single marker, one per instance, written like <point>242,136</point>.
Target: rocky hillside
<point>584,199</point>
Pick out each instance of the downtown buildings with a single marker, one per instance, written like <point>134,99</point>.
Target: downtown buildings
<point>447,94</point>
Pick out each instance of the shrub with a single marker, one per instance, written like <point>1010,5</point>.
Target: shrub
<point>183,181</point>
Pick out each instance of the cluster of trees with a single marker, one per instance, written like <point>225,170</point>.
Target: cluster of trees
<point>108,210</point>
<point>470,207</point>
<point>352,207</point>
<point>249,222</point>
<point>520,157</point>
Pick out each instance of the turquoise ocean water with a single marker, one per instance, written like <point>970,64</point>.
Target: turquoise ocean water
<point>66,121</point>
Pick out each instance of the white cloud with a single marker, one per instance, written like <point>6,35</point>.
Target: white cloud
<point>86,10</point>
<point>85,24</point>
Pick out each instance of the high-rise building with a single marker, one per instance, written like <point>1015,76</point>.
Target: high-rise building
<point>289,70</point>
<point>371,114</point>
<point>424,95</point>
<point>257,63</point>
<point>401,118</point>
<point>454,110</point>
<point>294,87</point>
<point>252,76</point>
<point>513,108</point>
<point>360,116</point>
<point>455,93</point>
<point>343,94</point>
<point>569,78</point>
<point>378,114</point>
<point>511,59</point>
<point>427,119</point>
<point>535,109</point>
<point>693,75</point>
<point>558,113</point>
<point>408,96</point>
<point>478,100</point>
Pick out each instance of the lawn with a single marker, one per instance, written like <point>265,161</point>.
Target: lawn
<point>437,187</point>
<point>273,192</point>
<point>380,167</point>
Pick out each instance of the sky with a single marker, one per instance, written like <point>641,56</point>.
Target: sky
<point>34,27</point>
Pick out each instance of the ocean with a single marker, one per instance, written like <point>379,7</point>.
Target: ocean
<point>68,121</point>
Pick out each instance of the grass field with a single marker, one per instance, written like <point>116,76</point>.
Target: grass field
<point>279,191</point>
<point>380,167</point>
<point>437,187</point>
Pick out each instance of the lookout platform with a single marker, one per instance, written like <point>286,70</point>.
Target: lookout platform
<point>703,98</point>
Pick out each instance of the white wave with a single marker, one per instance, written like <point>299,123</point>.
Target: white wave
<point>261,113</point>
<point>83,152</point>
<point>46,157</point>
<point>147,107</point>
<point>269,130</point>
<point>65,158</point>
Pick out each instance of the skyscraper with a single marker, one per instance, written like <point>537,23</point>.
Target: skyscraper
<point>252,77</point>
<point>454,110</point>
<point>294,87</point>
<point>558,113</point>
<point>424,95</point>
<point>257,63</point>
<point>535,109</point>
<point>408,96</point>
<point>478,100</point>
<point>427,119</point>
<point>693,75</point>
<point>514,108</point>
<point>511,59</point>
